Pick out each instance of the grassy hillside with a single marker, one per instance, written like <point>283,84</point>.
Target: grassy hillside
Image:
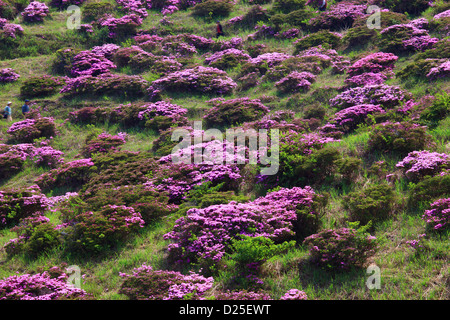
<point>364,121</point>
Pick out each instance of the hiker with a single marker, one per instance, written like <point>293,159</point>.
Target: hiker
<point>7,112</point>
<point>219,29</point>
<point>26,107</point>
<point>321,4</point>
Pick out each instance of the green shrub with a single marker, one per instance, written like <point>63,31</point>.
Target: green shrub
<point>410,6</point>
<point>359,36</point>
<point>438,110</point>
<point>400,138</point>
<point>387,19</point>
<point>349,167</point>
<point>323,37</point>
<point>286,6</point>
<point>62,62</point>
<point>373,203</point>
<point>40,86</point>
<point>342,248</point>
<point>212,8</point>
<point>94,10</point>
<point>429,190</point>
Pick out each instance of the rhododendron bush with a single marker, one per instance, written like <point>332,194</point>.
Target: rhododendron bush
<point>438,217</point>
<point>30,129</point>
<point>8,75</point>
<point>272,216</point>
<point>35,12</point>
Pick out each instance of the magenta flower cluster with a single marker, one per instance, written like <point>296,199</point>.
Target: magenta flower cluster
<point>165,109</point>
<point>207,233</point>
<point>10,30</point>
<point>438,217</point>
<point>8,75</point>
<point>294,294</point>
<point>88,63</point>
<point>35,12</point>
<point>295,82</point>
<point>418,164</point>
<point>39,286</point>
<point>349,118</point>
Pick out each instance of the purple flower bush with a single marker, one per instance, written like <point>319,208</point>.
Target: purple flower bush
<point>444,14</point>
<point>375,63</point>
<point>27,130</point>
<point>106,50</point>
<point>207,233</point>
<point>438,217</point>
<point>294,294</point>
<point>199,79</point>
<point>418,164</point>
<point>87,63</point>
<point>228,58</point>
<point>348,119</point>
<point>124,25</point>
<point>10,30</point>
<point>8,75</point>
<point>295,82</point>
<point>72,173</point>
<point>106,83</point>
<point>148,284</point>
<point>155,113</point>
<point>366,79</point>
<point>16,204</point>
<point>441,71</point>
<point>39,286</point>
<point>338,16</point>
<point>35,12</point>
<point>385,95</point>
<point>288,34</point>
<point>103,143</point>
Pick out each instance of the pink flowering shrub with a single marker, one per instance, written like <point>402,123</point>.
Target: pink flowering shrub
<point>295,82</point>
<point>375,62</point>
<point>88,63</point>
<point>161,115</point>
<point>11,161</point>
<point>47,156</point>
<point>338,16</point>
<point>349,119</point>
<point>115,223</point>
<point>366,79</point>
<point>125,25</point>
<point>234,111</point>
<point>207,233</point>
<point>72,173</point>
<point>418,164</point>
<point>8,75</point>
<point>16,204</point>
<point>10,30</point>
<point>39,286</point>
<point>384,95</point>
<point>36,234</point>
<point>438,217</point>
<point>294,294</point>
<point>27,130</point>
<point>148,284</point>
<point>199,80</point>
<point>226,59</point>
<point>102,143</point>
<point>106,50</point>
<point>35,12</point>
<point>60,4</point>
<point>342,248</point>
<point>440,71</point>
<point>106,83</point>
<point>409,37</point>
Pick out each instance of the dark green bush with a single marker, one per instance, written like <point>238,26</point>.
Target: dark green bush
<point>349,167</point>
<point>373,203</point>
<point>94,10</point>
<point>400,138</point>
<point>286,6</point>
<point>414,7</point>
<point>63,60</point>
<point>212,8</point>
<point>439,110</point>
<point>359,36</point>
<point>41,86</point>
<point>323,37</point>
<point>429,190</point>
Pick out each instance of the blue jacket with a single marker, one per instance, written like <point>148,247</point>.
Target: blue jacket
<point>8,110</point>
<point>25,108</point>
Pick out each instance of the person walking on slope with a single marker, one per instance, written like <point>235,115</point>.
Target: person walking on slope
<point>26,107</point>
<point>219,29</point>
<point>321,4</point>
<point>7,112</point>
